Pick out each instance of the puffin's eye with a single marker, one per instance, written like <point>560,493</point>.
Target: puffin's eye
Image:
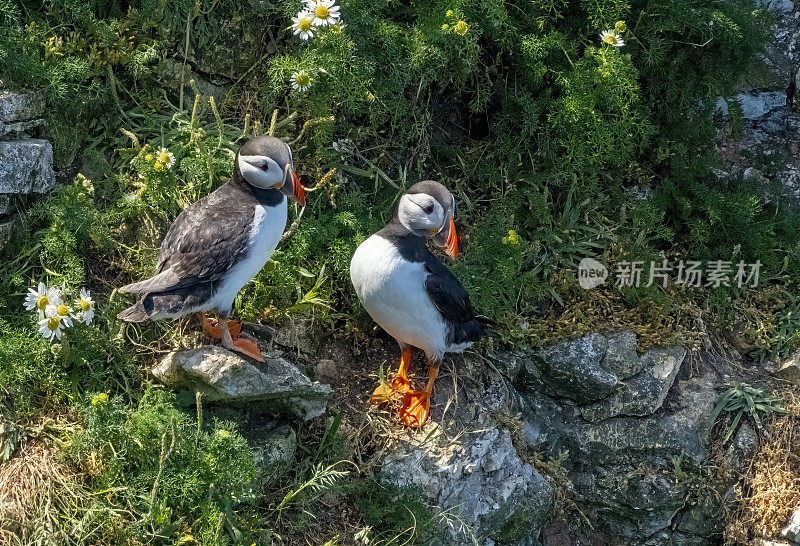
<point>265,166</point>
<point>428,209</point>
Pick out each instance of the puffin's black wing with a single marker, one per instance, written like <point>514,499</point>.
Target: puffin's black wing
<point>204,241</point>
<point>452,301</point>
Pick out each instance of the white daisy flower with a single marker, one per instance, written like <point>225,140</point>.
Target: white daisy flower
<point>303,25</point>
<point>325,12</point>
<point>51,327</point>
<point>62,312</point>
<point>301,81</point>
<point>41,297</point>
<point>165,157</point>
<point>85,306</point>
<point>611,38</point>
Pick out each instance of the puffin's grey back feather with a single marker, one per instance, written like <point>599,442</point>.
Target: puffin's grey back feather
<point>204,242</point>
<point>163,281</point>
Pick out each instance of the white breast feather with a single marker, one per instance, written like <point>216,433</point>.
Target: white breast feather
<point>265,234</point>
<point>392,291</point>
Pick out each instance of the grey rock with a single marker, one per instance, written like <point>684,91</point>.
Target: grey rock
<point>789,369</point>
<point>481,478</point>
<point>780,6</point>
<point>275,449</point>
<point>792,529</point>
<point>621,358</point>
<point>6,205</point>
<point>21,129</point>
<point>741,449</point>
<point>633,501</point>
<point>22,106</point>
<point>643,394</point>
<point>276,385</point>
<point>574,369</point>
<point>299,333</point>
<point>701,520</point>
<point>757,105</point>
<point>26,166</point>
<point>621,468</point>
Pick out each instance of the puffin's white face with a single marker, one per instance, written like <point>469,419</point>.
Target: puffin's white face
<point>420,212</point>
<point>262,171</point>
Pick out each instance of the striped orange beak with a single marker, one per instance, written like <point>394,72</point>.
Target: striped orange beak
<point>451,245</point>
<point>298,191</point>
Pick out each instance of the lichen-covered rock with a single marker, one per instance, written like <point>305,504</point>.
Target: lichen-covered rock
<point>574,369</point>
<point>644,393</point>
<point>275,449</point>
<point>276,385</point>
<point>26,166</point>
<point>24,106</point>
<point>21,129</point>
<point>633,502</point>
<point>481,478</point>
<point>622,468</point>
<point>621,358</point>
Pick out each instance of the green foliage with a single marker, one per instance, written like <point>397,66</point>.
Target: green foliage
<point>394,515</point>
<point>172,474</point>
<point>744,400</point>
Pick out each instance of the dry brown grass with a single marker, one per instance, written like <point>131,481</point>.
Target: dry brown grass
<point>770,490</point>
<point>38,495</point>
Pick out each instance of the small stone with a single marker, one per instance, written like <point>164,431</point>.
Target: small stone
<point>23,106</point>
<point>26,166</point>
<point>277,386</point>
<point>299,333</point>
<point>326,369</point>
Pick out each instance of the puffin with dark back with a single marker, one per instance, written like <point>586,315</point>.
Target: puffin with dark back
<point>216,245</point>
<point>412,296</point>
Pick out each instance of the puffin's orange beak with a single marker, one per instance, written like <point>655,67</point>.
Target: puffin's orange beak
<point>298,190</point>
<point>451,245</point>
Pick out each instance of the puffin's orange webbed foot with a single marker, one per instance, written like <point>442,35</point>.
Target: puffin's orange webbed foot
<point>399,385</point>
<point>247,347</point>
<point>415,408</point>
<point>212,329</point>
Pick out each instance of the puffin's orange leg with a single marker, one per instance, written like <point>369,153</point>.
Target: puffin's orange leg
<point>228,331</point>
<point>399,385</point>
<point>211,327</point>
<point>416,405</point>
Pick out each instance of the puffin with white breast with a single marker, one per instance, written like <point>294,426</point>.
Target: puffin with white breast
<point>216,245</point>
<point>412,296</point>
